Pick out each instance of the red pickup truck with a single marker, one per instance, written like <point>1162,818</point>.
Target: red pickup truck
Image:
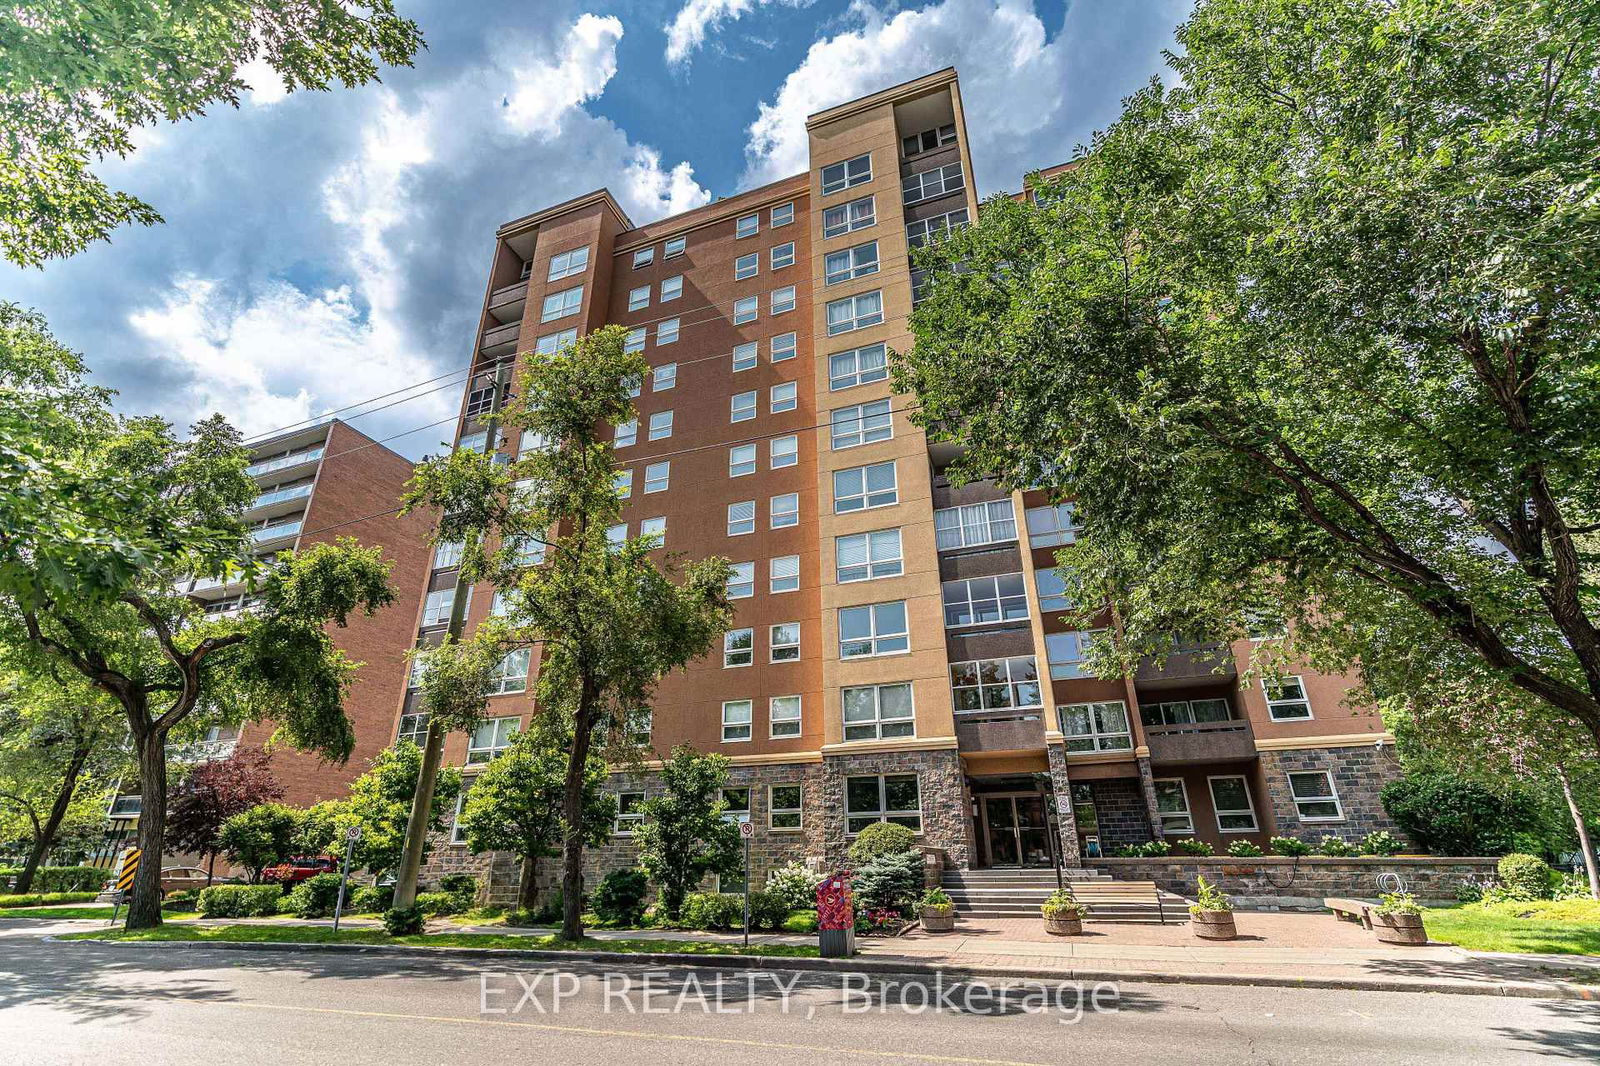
<point>301,868</point>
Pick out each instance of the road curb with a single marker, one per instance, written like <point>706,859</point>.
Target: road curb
<point>898,966</point>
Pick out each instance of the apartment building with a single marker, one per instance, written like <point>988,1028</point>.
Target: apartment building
<point>898,652</point>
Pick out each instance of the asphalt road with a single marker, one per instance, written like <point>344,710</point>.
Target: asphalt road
<point>153,1006</point>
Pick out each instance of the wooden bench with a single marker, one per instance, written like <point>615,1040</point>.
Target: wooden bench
<point>1350,910</point>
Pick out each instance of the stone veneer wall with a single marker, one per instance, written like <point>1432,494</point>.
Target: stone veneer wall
<point>942,787</point>
<point>1359,773</point>
<point>1119,805</point>
<point>1279,883</point>
<point>1066,817</point>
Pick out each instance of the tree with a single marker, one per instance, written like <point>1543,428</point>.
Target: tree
<point>378,803</point>
<point>607,619</point>
<point>1311,335</point>
<point>81,75</point>
<point>262,836</point>
<point>1453,815</point>
<point>684,835</point>
<point>137,510</point>
<point>214,791</point>
<point>515,805</point>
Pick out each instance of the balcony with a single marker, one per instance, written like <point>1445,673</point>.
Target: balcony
<point>506,304</point>
<point>1188,664</point>
<point>1197,742</point>
<point>275,498</point>
<point>993,731</point>
<point>500,340</point>
<point>277,531</point>
<point>284,462</point>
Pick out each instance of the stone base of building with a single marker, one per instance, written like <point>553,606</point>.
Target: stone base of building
<point>1279,883</point>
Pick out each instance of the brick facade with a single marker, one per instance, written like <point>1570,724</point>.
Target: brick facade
<point>1359,774</point>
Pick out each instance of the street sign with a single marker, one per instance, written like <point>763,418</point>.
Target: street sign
<point>747,830</point>
<point>353,834</point>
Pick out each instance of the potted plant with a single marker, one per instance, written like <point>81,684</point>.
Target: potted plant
<point>938,913</point>
<point>1211,914</point>
<point>1063,913</point>
<point>1397,919</point>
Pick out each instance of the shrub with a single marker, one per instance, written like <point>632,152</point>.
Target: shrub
<point>240,901</point>
<point>403,921</point>
<point>1150,849</point>
<point>803,922</point>
<point>1525,876</point>
<point>1392,903</point>
<point>1570,886</point>
<point>462,886</point>
<point>1288,846</point>
<point>33,899</point>
<point>891,881</point>
<point>880,838</point>
<point>371,899</point>
<point>1245,849</point>
<point>69,879</point>
<point>712,910</point>
<point>547,913</point>
<point>795,883</point>
<point>1188,846</point>
<point>1452,815</point>
<point>1063,904</point>
<point>1209,897</point>
<point>1334,847</point>
<point>180,901</point>
<point>315,896</point>
<point>935,897</point>
<point>768,910</point>
<point>436,904</point>
<point>1379,842</point>
<point>1471,890</point>
<point>620,898</point>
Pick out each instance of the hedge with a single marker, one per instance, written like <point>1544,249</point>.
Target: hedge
<point>240,901</point>
<point>62,878</point>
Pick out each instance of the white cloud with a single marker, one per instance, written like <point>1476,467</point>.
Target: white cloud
<point>698,19</point>
<point>265,85</point>
<point>545,92</point>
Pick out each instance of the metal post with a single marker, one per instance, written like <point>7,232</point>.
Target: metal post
<point>344,879</point>
<point>747,892</point>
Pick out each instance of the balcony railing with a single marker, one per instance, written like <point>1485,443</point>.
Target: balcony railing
<point>1190,665</point>
<point>277,531</point>
<point>509,294</point>
<point>1194,742</point>
<point>501,335</point>
<point>284,462</point>
<point>1012,730</point>
<point>293,492</point>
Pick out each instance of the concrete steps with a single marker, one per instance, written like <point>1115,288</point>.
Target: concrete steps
<point>1019,893</point>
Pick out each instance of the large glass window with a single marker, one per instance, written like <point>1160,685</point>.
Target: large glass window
<point>413,727</point>
<point>858,366</point>
<point>1096,726</point>
<point>882,798</point>
<point>836,177</point>
<point>436,609</point>
<point>783,804</point>
<point>864,556</point>
<point>927,230</point>
<point>783,716</point>
<point>630,812</point>
<point>1315,797</point>
<point>861,488</point>
<point>850,263</point>
<point>1052,590</point>
<point>1172,806</point>
<point>847,218</point>
<point>493,736</point>
<point>873,629</point>
<point>566,264</point>
<point>928,140</point>
<point>1052,526</point>
<point>854,312</point>
<point>551,343</point>
<point>1069,653</point>
<point>1185,712</point>
<point>974,524</point>
<point>863,423</point>
<point>995,684</point>
<point>510,673</point>
<point>561,304</point>
<point>876,712</point>
<point>928,184</point>
<point>1230,800</point>
<point>1286,699</point>
<point>979,601</point>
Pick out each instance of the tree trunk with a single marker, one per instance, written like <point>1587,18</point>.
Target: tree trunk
<point>144,908</point>
<point>572,809</point>
<point>211,869</point>
<point>1584,845</point>
<point>527,886</point>
<point>405,884</point>
<point>46,834</point>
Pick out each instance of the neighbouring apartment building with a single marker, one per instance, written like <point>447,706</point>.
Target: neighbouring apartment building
<point>898,652</point>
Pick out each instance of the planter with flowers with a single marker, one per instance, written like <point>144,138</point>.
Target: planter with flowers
<point>938,913</point>
<point>1211,914</point>
<point>1063,913</point>
<point>1397,919</point>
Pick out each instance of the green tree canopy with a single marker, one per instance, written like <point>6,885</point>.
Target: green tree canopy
<point>684,835</point>
<point>259,837</point>
<point>378,803</point>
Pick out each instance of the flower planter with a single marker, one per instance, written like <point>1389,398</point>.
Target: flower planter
<point>1213,925</point>
<point>1399,928</point>
<point>1066,923</point>
<point>939,919</point>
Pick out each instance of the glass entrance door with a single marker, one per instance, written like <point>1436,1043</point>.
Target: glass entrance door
<point>1017,829</point>
<point>1033,831</point>
<point>1001,819</point>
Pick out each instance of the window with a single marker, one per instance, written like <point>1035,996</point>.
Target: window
<point>671,288</point>
<point>1096,726</point>
<point>781,255</point>
<point>784,642</point>
<point>627,432</point>
<point>551,343</point>
<point>660,425</point>
<point>855,312</point>
<point>783,801</point>
<point>1230,801</point>
<point>480,401</point>
<point>526,551</point>
<point>532,441</point>
<point>635,384</point>
<point>741,460</point>
<point>865,423</point>
<point>747,266</point>
<point>1052,589</point>
<point>1286,699</point>
<point>738,648</point>
<point>417,668</point>
<point>736,804</point>
<point>864,556</point>
<point>858,366</point>
<point>782,214</point>
<point>742,406</point>
<point>622,481</point>
<point>873,629</point>
<point>499,604</point>
<point>847,218</point>
<point>995,684</point>
<point>931,229</point>
<point>975,524</point>
<point>928,140</point>
<point>667,331</point>
<point>783,347</point>
<point>746,226</point>
<point>1067,653</point>
<point>931,183</point>
<point>981,601</point>
<point>1050,526</point>
<point>1185,712</point>
<point>882,798</point>
<point>742,582</point>
<point>746,356</point>
<point>836,177</point>
<point>629,812</point>
<point>436,609</point>
<point>783,451</point>
<point>492,737</point>
<point>783,397</point>
<point>458,828</point>
<point>635,340</point>
<point>664,377</point>
<point>617,535</point>
<point>1172,805</point>
<point>850,263</point>
<point>741,518</point>
<point>746,310</point>
<point>561,304</point>
<point>861,488</point>
<point>566,264</point>
<point>735,721</point>
<point>655,528</point>
<point>673,248</point>
<point>657,477</point>
<point>448,554</point>
<point>643,257</point>
<point>784,510</point>
<point>638,725</point>
<point>483,441</point>
<point>413,727</point>
<point>1315,798</point>
<point>782,300</point>
<point>510,673</point>
<point>784,573</point>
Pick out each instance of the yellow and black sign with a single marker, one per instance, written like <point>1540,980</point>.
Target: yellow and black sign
<point>130,867</point>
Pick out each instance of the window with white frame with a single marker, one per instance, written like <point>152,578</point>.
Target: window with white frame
<point>1185,712</point>
<point>491,737</point>
<point>635,385</point>
<point>499,604</point>
<point>448,554</point>
<point>660,425</point>
<point>510,674</point>
<point>1053,525</point>
<point>741,518</point>
<point>782,300</point>
<point>664,377</point>
<point>783,451</point>
<point>622,481</point>
<point>861,488</point>
<point>746,226</point>
<point>783,642</point>
<point>643,257</point>
<point>784,397</point>
<point>882,798</point>
<point>741,460</point>
<point>784,573</point>
<point>413,727</point>
<point>667,331</point>
<point>626,433</point>
<point>742,406</point>
<point>864,556</point>
<point>928,140</point>
<point>673,247</point>
<point>859,366</point>
<point>654,529</point>
<point>417,666</point>
<point>981,601</point>
<point>847,218</point>
<point>1315,797</point>
<point>1052,589</point>
<point>747,309</point>
<point>862,423</point>
<point>635,339</point>
<point>526,551</point>
<point>617,536</point>
<point>878,712</point>
<point>638,725</point>
<point>735,720</point>
<point>639,299</point>
<point>1100,726</point>
<point>747,266</point>
<point>551,343</point>
<point>784,801</point>
<point>532,441</point>
<point>974,524</point>
<point>849,263</point>
<point>939,181</point>
<point>482,441</point>
<point>738,648</point>
<point>566,264</point>
<point>742,581</point>
<point>855,312</point>
<point>784,510</point>
<point>671,288</point>
<point>873,629</point>
<point>995,684</point>
<point>782,214</point>
<point>1230,801</point>
<point>630,813</point>
<point>1172,806</point>
<point>561,304</point>
<point>1286,699</point>
<point>746,356</point>
<point>658,477</point>
<point>928,230</point>
<point>836,177</point>
<point>1069,653</point>
<point>781,255</point>
<point>436,609</point>
<point>783,347</point>
<point>736,804</point>
<point>458,828</point>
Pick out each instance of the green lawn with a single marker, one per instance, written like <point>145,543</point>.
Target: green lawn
<point>1567,927</point>
<point>325,935</point>
<point>76,912</point>
<point>33,899</point>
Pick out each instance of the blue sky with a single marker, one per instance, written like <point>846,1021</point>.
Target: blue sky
<point>323,248</point>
